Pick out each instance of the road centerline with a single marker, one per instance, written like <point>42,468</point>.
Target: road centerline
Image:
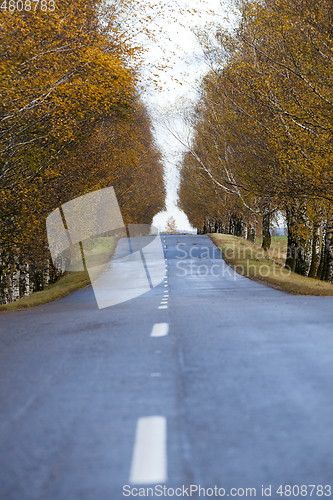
<point>160,330</point>
<point>149,460</point>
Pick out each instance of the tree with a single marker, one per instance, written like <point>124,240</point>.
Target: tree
<point>171,226</point>
<point>263,128</point>
<point>70,122</point>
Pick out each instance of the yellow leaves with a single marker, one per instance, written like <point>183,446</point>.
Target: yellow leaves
<point>63,77</point>
<point>265,115</point>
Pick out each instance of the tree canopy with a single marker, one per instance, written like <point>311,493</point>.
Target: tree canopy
<point>263,129</point>
<point>71,121</point>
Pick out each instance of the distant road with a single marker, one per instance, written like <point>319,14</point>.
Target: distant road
<point>209,379</point>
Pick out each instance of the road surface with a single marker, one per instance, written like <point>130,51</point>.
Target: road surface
<point>208,380</point>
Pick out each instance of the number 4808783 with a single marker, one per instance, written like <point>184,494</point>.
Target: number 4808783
<point>305,490</point>
<point>28,5</point>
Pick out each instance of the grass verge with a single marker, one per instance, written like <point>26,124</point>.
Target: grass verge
<point>101,250</point>
<point>68,283</point>
<point>250,260</point>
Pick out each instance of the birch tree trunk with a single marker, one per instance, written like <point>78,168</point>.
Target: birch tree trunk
<point>325,271</point>
<point>251,232</point>
<point>300,239</point>
<point>266,234</point>
<point>315,257</point>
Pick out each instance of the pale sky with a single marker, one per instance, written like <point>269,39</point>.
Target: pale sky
<point>185,56</point>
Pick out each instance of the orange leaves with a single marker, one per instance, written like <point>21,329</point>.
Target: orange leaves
<point>59,73</point>
<point>64,76</point>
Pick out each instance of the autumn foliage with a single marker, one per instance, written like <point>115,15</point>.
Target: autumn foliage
<point>71,122</point>
<point>171,226</point>
<point>263,130</point>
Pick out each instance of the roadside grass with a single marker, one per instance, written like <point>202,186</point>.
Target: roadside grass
<point>100,250</point>
<point>68,283</point>
<point>250,260</point>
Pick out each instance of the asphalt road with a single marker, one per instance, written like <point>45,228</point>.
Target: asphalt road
<point>210,380</point>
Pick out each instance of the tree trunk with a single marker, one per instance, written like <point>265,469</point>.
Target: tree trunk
<point>266,235</point>
<point>320,269</point>
<point>251,232</point>
<point>299,246</point>
<point>326,264</point>
<point>315,253</point>
<point>237,226</point>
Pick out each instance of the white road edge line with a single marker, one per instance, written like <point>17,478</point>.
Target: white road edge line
<point>149,460</point>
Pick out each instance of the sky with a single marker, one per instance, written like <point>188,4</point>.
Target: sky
<point>180,46</point>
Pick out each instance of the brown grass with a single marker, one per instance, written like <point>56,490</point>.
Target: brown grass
<point>251,261</point>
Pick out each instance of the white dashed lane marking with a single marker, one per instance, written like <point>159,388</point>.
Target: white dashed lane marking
<point>149,461</point>
<point>163,304</point>
<point>160,330</point>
